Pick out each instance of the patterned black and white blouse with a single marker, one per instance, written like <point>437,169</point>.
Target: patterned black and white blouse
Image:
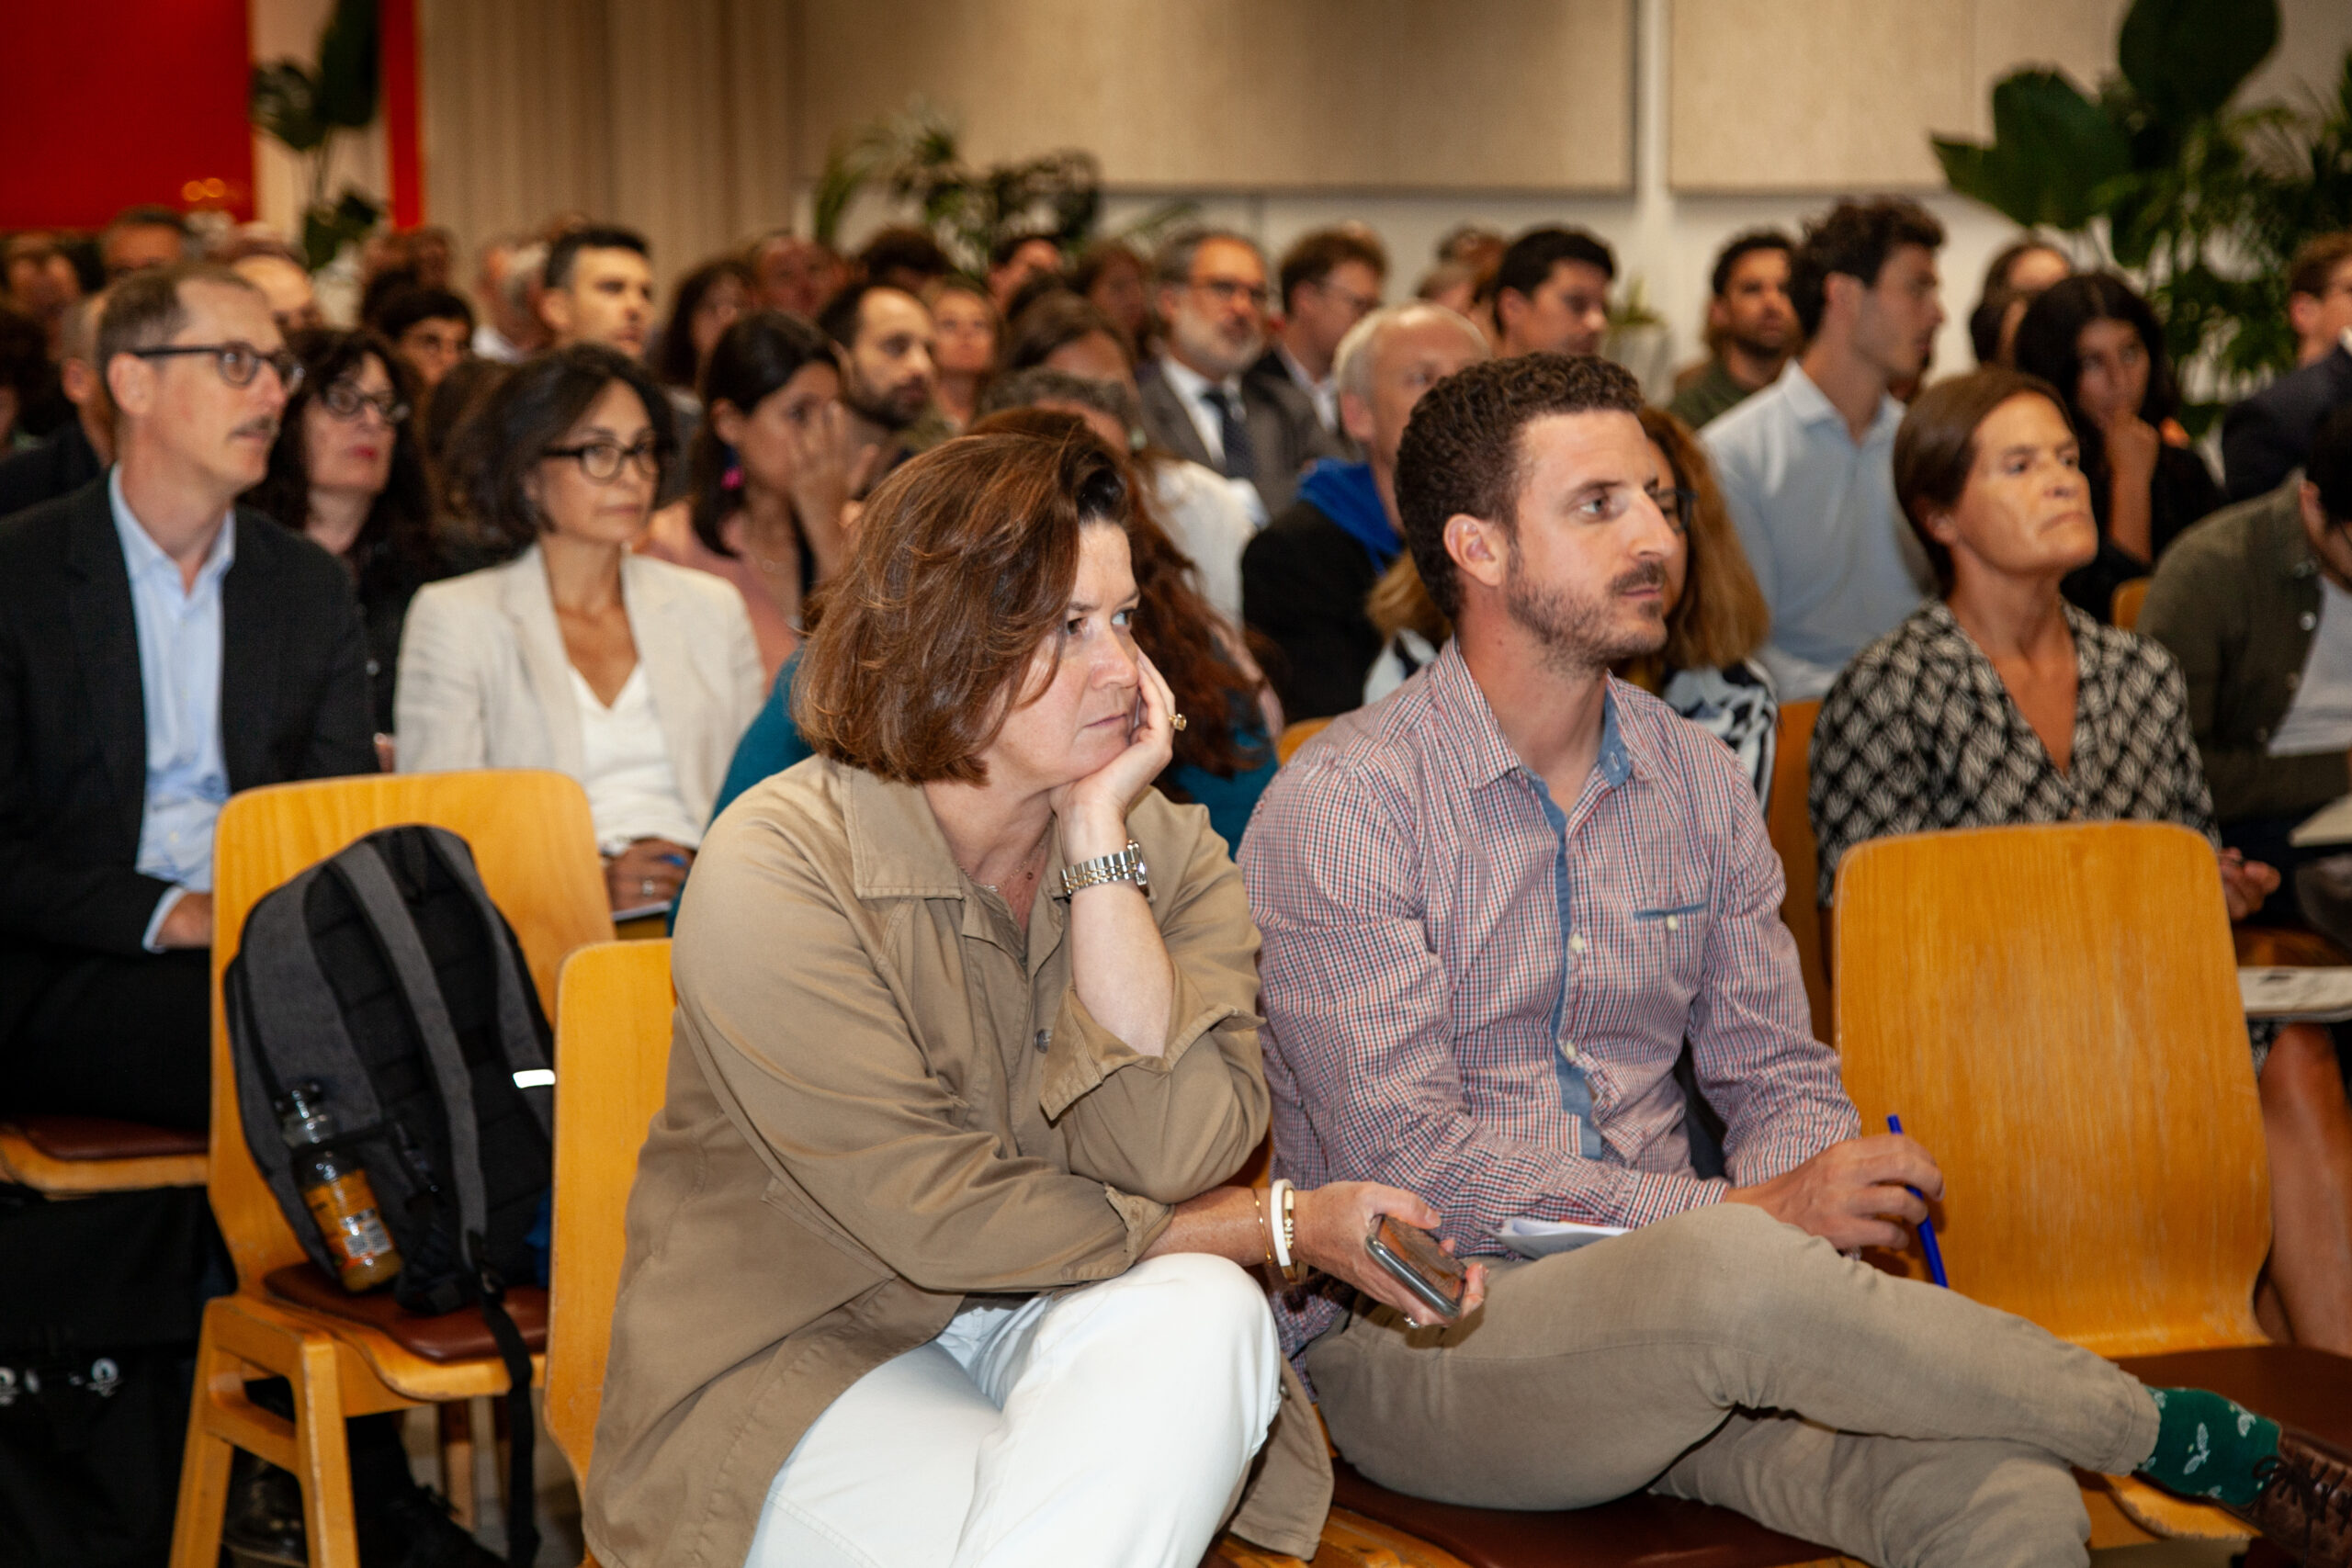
<point>1919,734</point>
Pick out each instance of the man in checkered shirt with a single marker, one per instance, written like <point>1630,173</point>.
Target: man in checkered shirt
<point>1495,905</point>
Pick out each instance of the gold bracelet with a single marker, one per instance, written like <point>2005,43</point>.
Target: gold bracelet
<point>1265,1231</point>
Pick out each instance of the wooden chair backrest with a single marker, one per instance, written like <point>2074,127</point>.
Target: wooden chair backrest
<point>612,1060</point>
<point>1789,823</point>
<point>2054,1011</point>
<point>2130,596</point>
<point>533,844</point>
<point>1294,736</point>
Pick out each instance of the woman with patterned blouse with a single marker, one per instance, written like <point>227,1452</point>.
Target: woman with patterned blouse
<point>1999,703</point>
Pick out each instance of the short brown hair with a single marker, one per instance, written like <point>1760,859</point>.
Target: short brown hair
<point>2315,262</point>
<point>144,308</point>
<point>1313,255</point>
<point>1721,617</point>
<point>1855,238</point>
<point>1935,448</point>
<point>963,567</point>
<point>1461,454</point>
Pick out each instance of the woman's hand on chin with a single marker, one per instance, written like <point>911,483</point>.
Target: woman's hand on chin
<point>1332,1223</point>
<point>1093,811</point>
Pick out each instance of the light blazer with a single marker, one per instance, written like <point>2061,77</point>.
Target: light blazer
<point>485,682</point>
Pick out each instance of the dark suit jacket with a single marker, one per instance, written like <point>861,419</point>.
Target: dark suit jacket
<point>1271,370</point>
<point>2265,437</point>
<point>1304,581</point>
<point>61,465</point>
<point>1284,434</point>
<point>73,730</point>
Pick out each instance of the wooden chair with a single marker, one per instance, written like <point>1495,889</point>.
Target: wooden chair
<point>75,1156</point>
<point>1294,736</point>
<point>2124,609</point>
<point>2053,1010</point>
<point>611,1061</point>
<point>1789,823</point>
<point>536,854</point>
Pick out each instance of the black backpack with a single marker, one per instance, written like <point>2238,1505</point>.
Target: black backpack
<point>388,976</point>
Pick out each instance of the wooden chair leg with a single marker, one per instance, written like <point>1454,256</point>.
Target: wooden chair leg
<point>501,1446</point>
<point>325,1470</point>
<point>457,1458</point>
<point>203,1469</point>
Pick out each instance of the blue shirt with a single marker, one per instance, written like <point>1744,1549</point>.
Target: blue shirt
<point>1816,513</point>
<point>1576,1090</point>
<point>179,676</point>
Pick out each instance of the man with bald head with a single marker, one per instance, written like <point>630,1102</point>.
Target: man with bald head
<point>1303,579</point>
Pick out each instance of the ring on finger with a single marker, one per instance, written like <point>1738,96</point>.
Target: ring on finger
<point>1176,721</point>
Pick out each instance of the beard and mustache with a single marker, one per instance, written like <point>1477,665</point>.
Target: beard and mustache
<point>1582,633</point>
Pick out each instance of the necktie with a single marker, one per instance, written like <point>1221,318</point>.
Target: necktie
<point>1233,431</point>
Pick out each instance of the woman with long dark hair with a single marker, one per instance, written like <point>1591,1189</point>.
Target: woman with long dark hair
<point>2096,339</point>
<point>346,472</point>
<point>767,475</point>
<point>708,300</point>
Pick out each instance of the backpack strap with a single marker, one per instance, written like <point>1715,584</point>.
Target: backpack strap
<point>518,1023</point>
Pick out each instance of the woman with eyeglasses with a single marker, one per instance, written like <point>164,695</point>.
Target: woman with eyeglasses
<point>634,676</point>
<point>346,472</point>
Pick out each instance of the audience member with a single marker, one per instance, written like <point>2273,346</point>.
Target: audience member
<point>460,393</point>
<point>768,476</point>
<point>882,335</point>
<point>1016,261</point>
<point>347,474</point>
<point>795,275</point>
<point>2097,342</point>
<point>38,277</point>
<point>2319,294</point>
<point>1998,703</point>
<point>432,330</point>
<point>1451,284</point>
<point>1495,907</point>
<point>1211,292</point>
<point>707,301</point>
<point>507,285</point>
<point>2265,437</point>
<point>1203,511</point>
<point>79,450</point>
<point>2017,276</point>
<point>1806,464</point>
<point>142,237</point>
<point>634,676</point>
<point>2256,606</point>
<point>986,730</point>
<point>1113,278</point>
<point>1751,327</point>
<point>1305,580</point>
<point>966,330</point>
<point>1332,278</point>
<point>1550,293</point>
<point>598,287</point>
<point>26,379</point>
<point>905,258</point>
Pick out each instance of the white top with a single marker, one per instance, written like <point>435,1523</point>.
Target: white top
<point>1209,523</point>
<point>625,767</point>
<point>2320,717</point>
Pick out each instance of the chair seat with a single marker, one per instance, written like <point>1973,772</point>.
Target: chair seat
<point>459,1336</point>
<point>1631,1532</point>
<point>2286,947</point>
<point>102,1137</point>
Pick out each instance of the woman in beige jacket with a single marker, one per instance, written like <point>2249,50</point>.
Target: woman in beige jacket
<point>634,676</point>
<point>927,1258</point>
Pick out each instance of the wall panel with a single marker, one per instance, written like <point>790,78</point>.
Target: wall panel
<point>1224,95</point>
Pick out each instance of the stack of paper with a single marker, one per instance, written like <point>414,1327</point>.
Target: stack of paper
<point>1540,1238</point>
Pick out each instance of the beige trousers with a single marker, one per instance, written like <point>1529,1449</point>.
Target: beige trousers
<point>1723,1356</point>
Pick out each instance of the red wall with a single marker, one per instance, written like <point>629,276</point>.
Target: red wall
<point>104,102</point>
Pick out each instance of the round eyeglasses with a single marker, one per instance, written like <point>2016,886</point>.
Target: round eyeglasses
<point>346,401</point>
<point>238,363</point>
<point>601,461</point>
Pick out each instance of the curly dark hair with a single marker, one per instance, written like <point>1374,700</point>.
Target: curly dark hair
<point>1461,451</point>
<point>1854,238</point>
<point>1175,627</point>
<point>397,533</point>
<point>496,446</point>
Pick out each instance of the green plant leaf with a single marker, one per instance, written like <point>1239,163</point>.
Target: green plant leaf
<point>283,104</point>
<point>348,70</point>
<point>2186,57</point>
<point>2052,149</point>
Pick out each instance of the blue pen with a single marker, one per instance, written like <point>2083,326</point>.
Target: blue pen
<point>1926,1226</point>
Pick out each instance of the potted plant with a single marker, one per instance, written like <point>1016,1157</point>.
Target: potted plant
<point>303,109</point>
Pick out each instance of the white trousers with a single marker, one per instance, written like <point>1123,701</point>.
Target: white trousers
<point>1109,1424</point>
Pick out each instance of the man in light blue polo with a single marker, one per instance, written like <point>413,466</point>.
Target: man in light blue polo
<point>1806,465</point>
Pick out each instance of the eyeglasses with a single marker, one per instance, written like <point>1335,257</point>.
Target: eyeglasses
<point>1676,505</point>
<point>346,401</point>
<point>601,461</point>
<point>238,363</point>
<point>1227,290</point>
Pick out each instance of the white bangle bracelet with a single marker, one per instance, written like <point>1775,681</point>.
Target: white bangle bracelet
<point>1281,1184</point>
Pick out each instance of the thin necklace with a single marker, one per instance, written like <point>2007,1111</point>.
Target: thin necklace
<point>1036,858</point>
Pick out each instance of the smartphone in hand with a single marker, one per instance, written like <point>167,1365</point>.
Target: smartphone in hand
<point>1432,1274</point>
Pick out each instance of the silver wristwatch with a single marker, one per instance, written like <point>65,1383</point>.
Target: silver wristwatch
<point>1121,865</point>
